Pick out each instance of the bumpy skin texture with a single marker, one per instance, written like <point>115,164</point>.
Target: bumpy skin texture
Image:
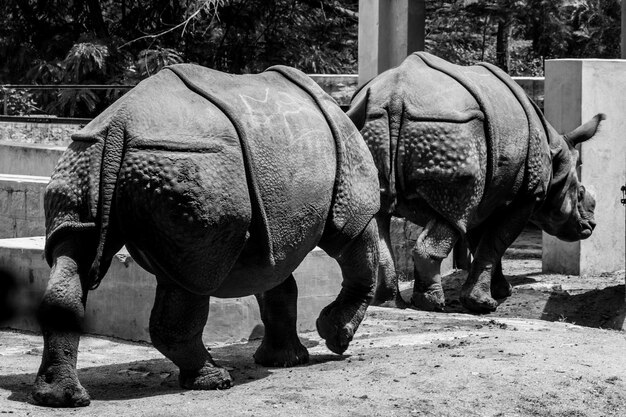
<point>219,185</point>
<point>463,152</point>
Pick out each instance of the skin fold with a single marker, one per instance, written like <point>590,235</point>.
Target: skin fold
<point>464,153</point>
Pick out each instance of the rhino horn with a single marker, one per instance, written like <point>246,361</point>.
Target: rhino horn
<point>586,131</point>
<point>358,111</point>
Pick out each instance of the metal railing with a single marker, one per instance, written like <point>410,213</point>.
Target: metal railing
<point>50,118</point>
<point>337,85</point>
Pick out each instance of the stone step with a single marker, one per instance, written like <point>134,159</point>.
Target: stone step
<point>28,159</point>
<point>21,205</point>
<point>121,306</point>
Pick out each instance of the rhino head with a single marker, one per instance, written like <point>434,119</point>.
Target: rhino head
<point>568,209</point>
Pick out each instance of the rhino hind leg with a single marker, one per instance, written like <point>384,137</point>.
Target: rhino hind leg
<point>476,291</point>
<point>280,345</point>
<point>359,260</point>
<point>500,287</point>
<point>176,323</point>
<point>387,284</point>
<point>61,315</point>
<point>433,245</point>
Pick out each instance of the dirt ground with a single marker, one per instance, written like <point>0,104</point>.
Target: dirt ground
<point>545,352</point>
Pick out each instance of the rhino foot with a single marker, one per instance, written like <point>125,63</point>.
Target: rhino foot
<point>338,322</point>
<point>481,303</point>
<point>433,300</point>
<point>384,295</point>
<point>292,355</point>
<point>53,390</point>
<point>337,339</point>
<point>501,289</point>
<point>209,377</point>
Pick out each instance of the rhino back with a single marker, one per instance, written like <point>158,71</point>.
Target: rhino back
<point>463,139</point>
<point>250,165</point>
<point>426,134</point>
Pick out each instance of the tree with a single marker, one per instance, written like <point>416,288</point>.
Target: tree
<point>110,41</point>
<point>123,41</point>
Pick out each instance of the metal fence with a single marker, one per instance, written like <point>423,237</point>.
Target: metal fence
<point>340,87</point>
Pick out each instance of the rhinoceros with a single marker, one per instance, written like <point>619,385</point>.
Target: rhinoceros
<point>463,152</point>
<point>219,185</point>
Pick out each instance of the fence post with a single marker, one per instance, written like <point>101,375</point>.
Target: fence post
<point>575,90</point>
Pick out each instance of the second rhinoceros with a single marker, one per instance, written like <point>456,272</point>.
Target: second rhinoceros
<point>219,185</point>
<point>464,152</point>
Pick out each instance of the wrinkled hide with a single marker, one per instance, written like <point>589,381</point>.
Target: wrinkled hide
<point>174,141</point>
<point>464,152</point>
<point>219,185</point>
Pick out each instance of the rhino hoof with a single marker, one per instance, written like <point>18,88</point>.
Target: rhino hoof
<point>337,339</point>
<point>429,301</point>
<point>209,377</point>
<point>501,290</point>
<point>384,296</point>
<point>479,305</point>
<point>65,393</point>
<point>291,356</point>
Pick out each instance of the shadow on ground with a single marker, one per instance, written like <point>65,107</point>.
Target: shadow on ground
<point>594,308</point>
<point>600,307</point>
<point>155,377</point>
<point>592,301</point>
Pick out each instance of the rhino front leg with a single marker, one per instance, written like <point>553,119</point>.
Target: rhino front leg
<point>281,345</point>
<point>387,283</point>
<point>433,245</point>
<point>176,324</point>
<point>359,261</point>
<point>61,315</point>
<point>500,287</point>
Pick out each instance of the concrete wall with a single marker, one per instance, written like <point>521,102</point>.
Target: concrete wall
<point>41,133</point>
<point>575,91</point>
<point>533,87</point>
<point>341,87</point>
<point>21,205</point>
<point>121,306</point>
<point>28,159</point>
<point>389,30</point>
<point>22,215</point>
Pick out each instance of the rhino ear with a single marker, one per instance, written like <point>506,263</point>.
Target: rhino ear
<point>586,131</point>
<point>358,110</point>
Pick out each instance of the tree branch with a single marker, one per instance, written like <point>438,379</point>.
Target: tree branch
<point>206,5</point>
<point>332,5</point>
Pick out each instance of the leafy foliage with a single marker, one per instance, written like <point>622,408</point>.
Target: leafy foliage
<point>85,61</point>
<point>124,41</point>
<point>17,102</point>
<point>150,61</point>
<point>75,102</point>
<point>594,30</point>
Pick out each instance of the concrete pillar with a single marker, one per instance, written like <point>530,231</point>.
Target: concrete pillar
<point>389,30</point>
<point>623,29</point>
<point>575,90</point>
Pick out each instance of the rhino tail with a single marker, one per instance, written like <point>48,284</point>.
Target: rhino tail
<point>112,156</point>
<point>358,110</point>
<point>586,131</point>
